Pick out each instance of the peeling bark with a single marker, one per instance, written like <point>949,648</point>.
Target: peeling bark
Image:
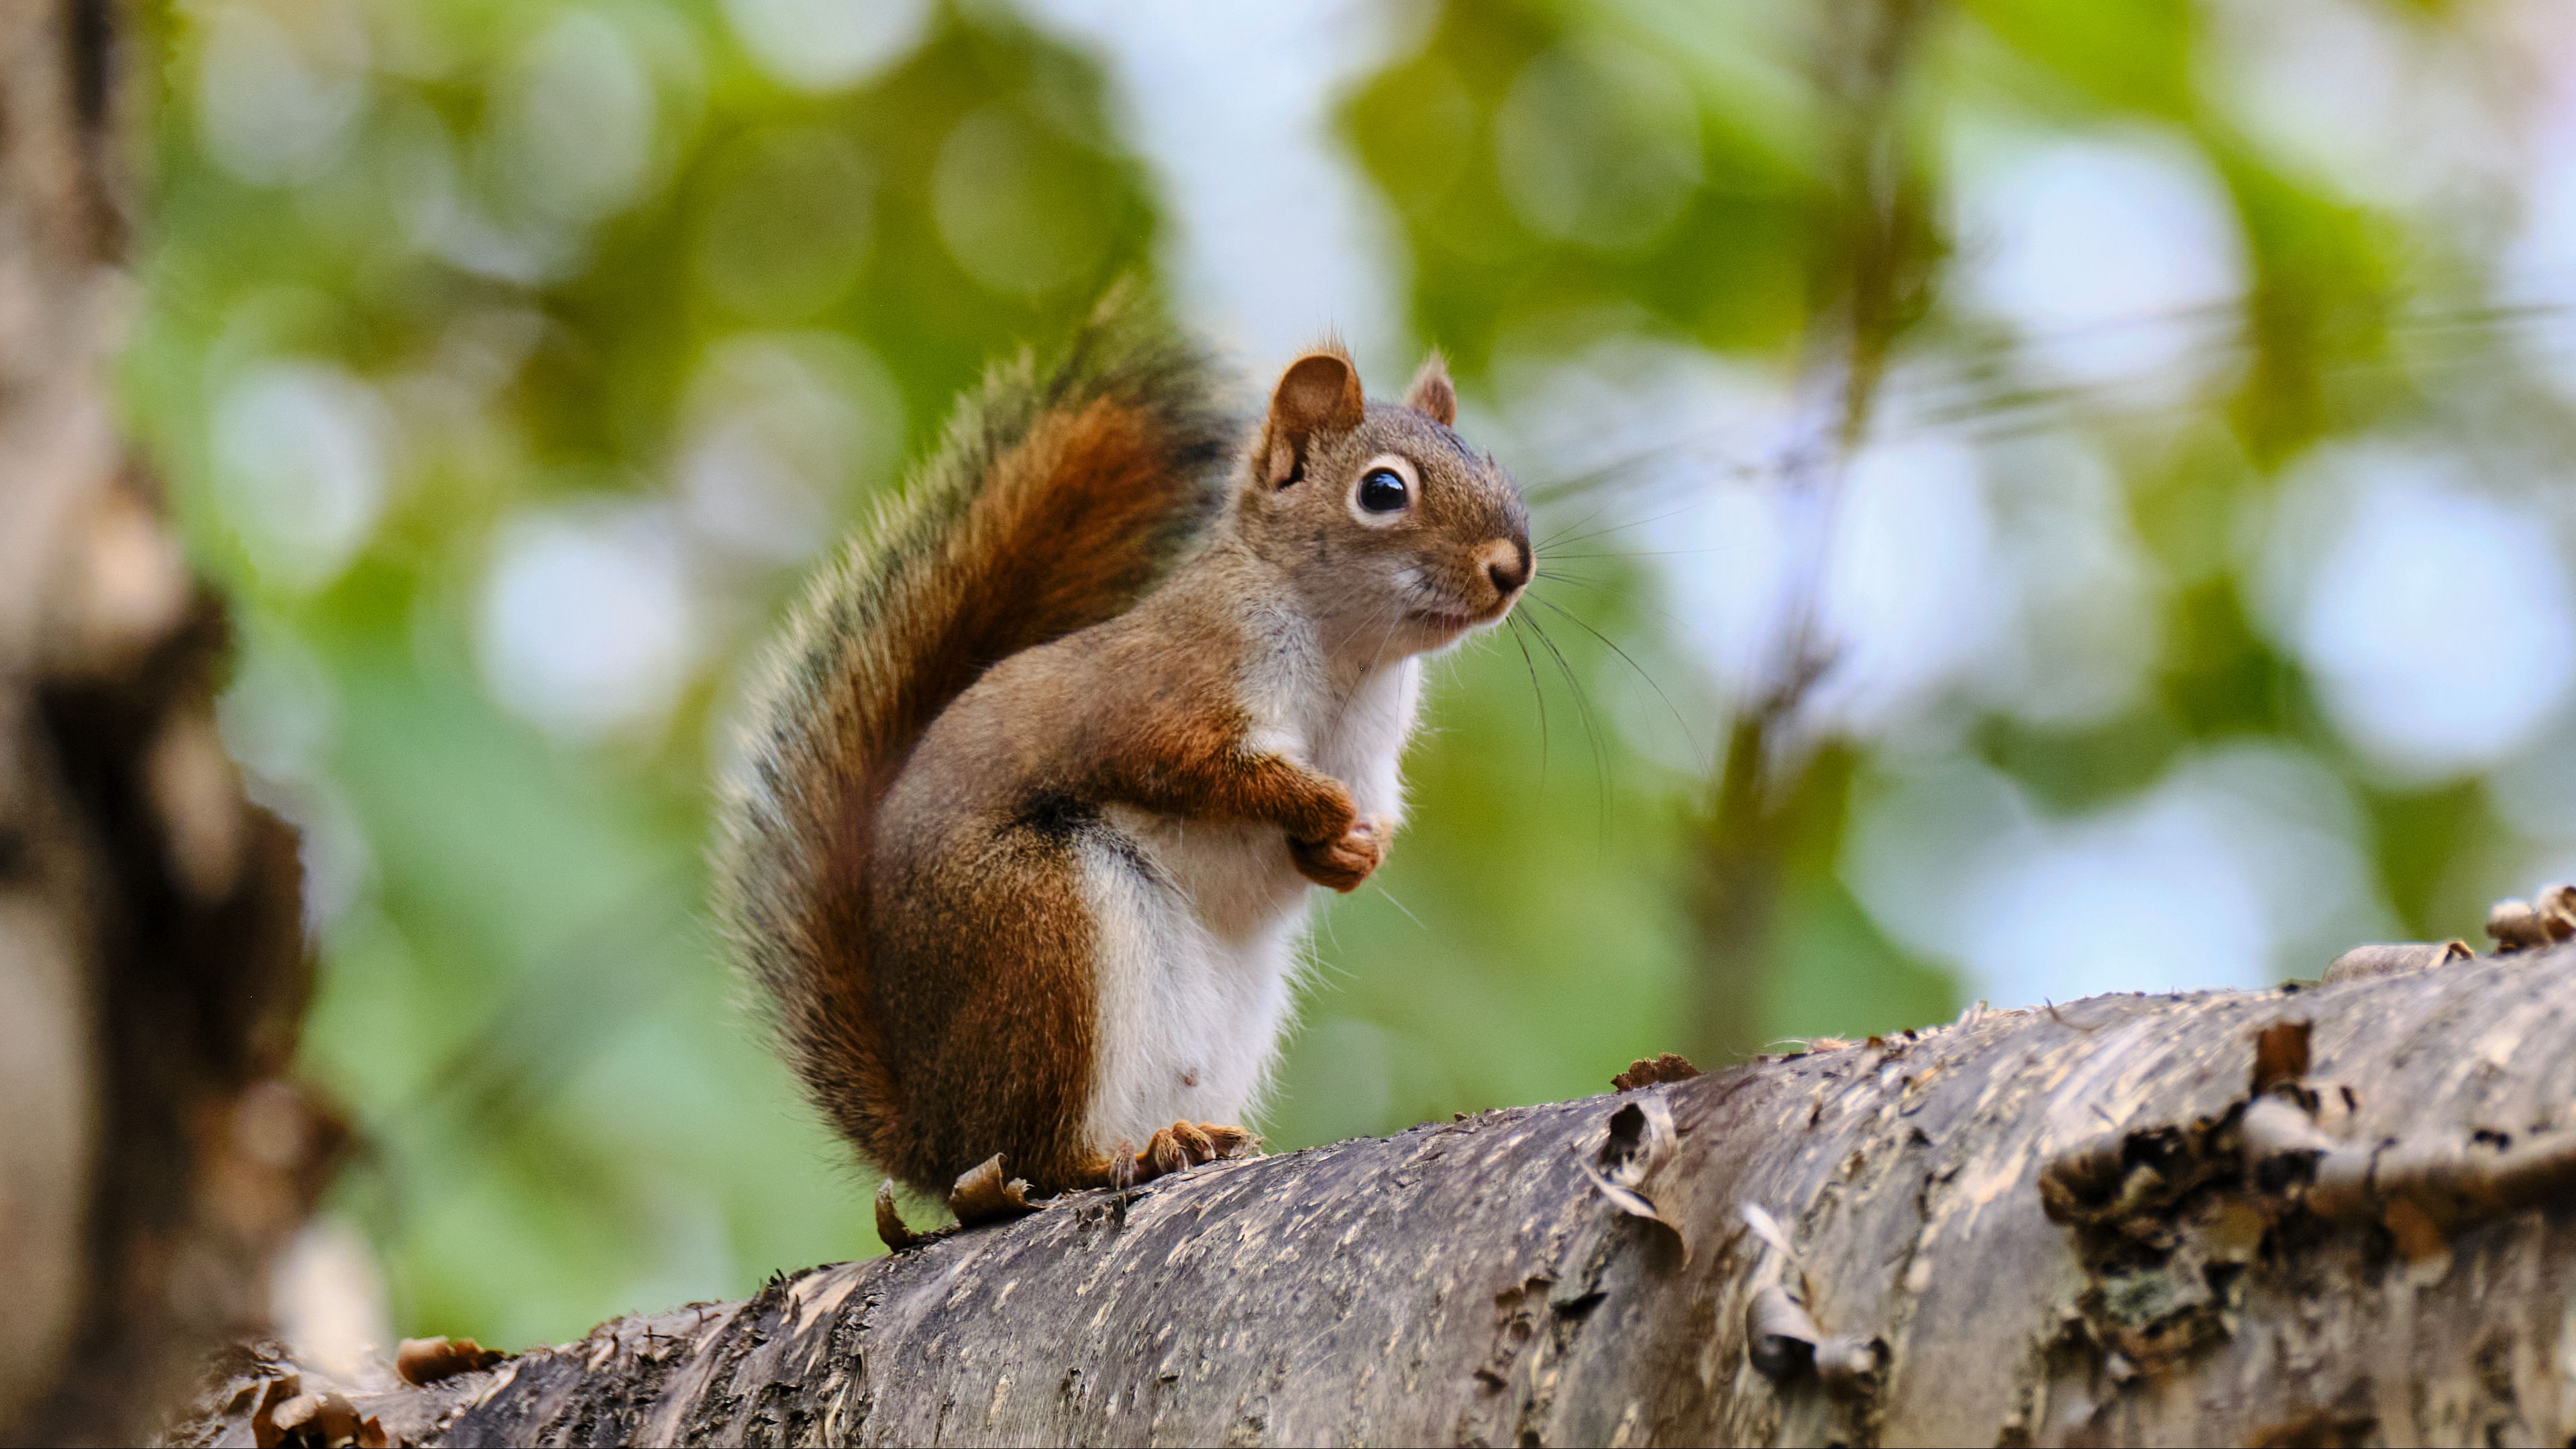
<point>2028,1227</point>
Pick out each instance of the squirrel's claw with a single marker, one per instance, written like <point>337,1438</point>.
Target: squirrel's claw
<point>1228,1140</point>
<point>1344,863</point>
<point>1182,1146</point>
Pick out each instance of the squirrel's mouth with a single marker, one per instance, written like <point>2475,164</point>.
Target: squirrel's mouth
<point>1454,621</point>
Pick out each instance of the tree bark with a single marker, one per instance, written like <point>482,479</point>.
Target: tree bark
<point>2325,1215</point>
<point>151,966</point>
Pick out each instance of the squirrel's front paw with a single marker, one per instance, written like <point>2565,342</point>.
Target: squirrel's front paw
<point>1344,863</point>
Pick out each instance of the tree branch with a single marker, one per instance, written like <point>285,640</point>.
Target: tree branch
<point>2030,1226</point>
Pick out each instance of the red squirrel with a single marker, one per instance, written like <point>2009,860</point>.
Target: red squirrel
<point>1040,769</point>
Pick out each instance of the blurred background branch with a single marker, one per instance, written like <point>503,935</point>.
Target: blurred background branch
<point>1774,790</point>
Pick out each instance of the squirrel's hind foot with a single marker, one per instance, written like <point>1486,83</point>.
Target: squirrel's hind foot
<point>1180,1147</point>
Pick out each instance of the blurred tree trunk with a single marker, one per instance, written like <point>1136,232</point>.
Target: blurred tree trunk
<point>151,966</point>
<point>2339,1215</point>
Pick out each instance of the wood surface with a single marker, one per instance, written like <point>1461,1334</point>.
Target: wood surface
<point>2057,1225</point>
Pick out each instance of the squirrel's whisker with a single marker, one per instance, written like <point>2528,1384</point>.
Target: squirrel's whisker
<point>1640,553</point>
<point>1613,647</point>
<point>1583,711</point>
<point>1682,629</point>
<point>1638,523</point>
<point>1517,623</point>
<point>1400,906</point>
<point>1548,543</point>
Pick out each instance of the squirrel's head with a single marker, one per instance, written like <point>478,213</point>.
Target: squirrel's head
<point>1403,537</point>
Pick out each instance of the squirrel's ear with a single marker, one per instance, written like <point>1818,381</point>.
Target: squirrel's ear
<point>1431,393</point>
<point>1319,393</point>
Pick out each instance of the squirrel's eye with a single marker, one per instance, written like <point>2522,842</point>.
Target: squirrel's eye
<point>1382,491</point>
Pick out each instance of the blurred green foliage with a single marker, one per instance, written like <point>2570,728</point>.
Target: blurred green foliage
<point>443,295</point>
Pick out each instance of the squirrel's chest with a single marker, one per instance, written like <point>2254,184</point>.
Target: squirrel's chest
<point>1196,955</point>
<point>1360,740</point>
<point>1237,876</point>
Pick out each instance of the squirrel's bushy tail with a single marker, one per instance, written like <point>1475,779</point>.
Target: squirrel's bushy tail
<point>1054,502</point>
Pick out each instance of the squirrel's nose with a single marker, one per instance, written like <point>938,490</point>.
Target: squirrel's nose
<point>1507,563</point>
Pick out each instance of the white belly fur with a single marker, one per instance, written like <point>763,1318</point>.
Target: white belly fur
<point>1197,962</point>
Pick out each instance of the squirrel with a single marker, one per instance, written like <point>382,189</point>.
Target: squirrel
<point>1036,776</point>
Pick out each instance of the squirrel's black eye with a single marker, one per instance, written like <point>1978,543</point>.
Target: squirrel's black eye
<point>1382,491</point>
